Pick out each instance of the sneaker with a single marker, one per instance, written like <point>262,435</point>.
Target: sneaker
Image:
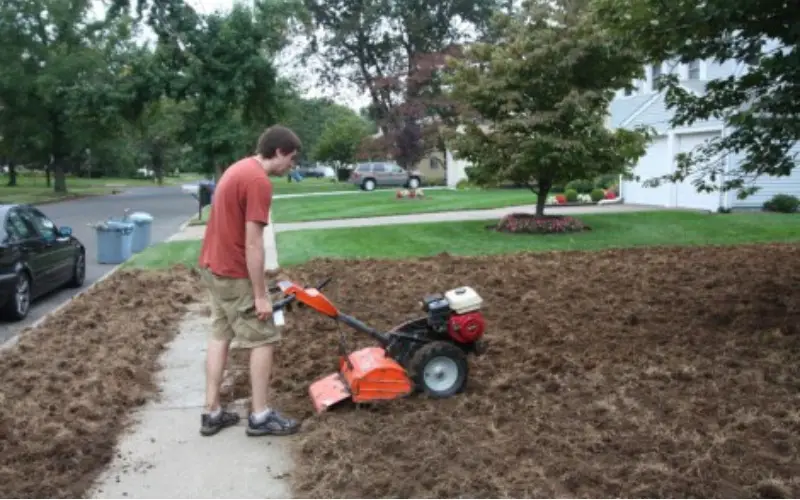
<point>273,425</point>
<point>212,425</point>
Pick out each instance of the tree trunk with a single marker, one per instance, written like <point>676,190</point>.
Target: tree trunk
<point>47,176</point>
<point>60,184</point>
<point>157,159</point>
<point>542,190</point>
<point>12,174</point>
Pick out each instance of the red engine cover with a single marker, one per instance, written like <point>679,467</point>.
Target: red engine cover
<point>466,328</point>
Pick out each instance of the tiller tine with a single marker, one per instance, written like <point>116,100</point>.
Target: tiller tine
<point>328,391</point>
<point>366,375</point>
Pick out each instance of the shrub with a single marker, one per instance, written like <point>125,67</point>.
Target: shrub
<point>580,185</point>
<point>545,224</point>
<point>606,181</point>
<point>571,195</point>
<point>610,195</point>
<point>463,184</point>
<point>561,199</point>
<point>783,203</point>
<point>597,194</point>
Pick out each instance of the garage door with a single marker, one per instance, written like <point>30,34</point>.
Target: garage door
<point>654,163</point>
<point>686,195</point>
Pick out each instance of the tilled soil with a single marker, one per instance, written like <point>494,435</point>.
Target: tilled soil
<point>622,373</point>
<point>68,386</point>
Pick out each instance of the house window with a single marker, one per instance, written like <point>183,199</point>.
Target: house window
<point>656,72</point>
<point>694,70</point>
<point>436,163</point>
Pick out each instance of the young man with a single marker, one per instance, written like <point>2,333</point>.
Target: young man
<point>232,263</point>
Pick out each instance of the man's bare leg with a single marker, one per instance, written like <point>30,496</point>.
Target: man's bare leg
<point>265,421</point>
<point>260,372</point>
<point>214,418</point>
<point>216,359</point>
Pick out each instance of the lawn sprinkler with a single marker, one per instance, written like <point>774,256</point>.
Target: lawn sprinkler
<point>427,354</point>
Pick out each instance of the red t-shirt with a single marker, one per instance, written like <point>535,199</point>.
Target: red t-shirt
<point>244,193</point>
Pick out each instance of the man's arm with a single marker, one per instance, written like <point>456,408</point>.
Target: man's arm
<point>254,253</point>
<point>258,203</point>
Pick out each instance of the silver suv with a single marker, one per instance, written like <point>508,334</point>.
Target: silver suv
<point>368,176</point>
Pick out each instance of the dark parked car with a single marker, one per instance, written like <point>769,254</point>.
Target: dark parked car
<point>36,257</point>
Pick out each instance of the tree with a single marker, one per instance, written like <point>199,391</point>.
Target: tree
<point>309,118</point>
<point>387,48</point>
<point>539,101</point>
<point>230,77</point>
<point>222,64</point>
<point>340,141</point>
<point>760,108</point>
<point>53,61</point>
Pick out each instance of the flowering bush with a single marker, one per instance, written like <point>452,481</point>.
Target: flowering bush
<point>561,199</point>
<point>610,195</point>
<point>545,224</point>
<point>410,193</point>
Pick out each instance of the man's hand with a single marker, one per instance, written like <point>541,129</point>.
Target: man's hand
<point>263,308</point>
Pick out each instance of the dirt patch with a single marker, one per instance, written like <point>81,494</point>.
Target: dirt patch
<point>622,373</point>
<point>68,386</point>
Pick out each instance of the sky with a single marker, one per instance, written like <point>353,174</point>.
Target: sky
<point>287,65</point>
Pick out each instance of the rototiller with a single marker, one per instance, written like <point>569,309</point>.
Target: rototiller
<point>427,354</point>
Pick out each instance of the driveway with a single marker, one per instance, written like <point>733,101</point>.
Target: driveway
<point>170,207</point>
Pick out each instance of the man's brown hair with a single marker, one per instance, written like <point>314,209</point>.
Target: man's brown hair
<point>277,137</point>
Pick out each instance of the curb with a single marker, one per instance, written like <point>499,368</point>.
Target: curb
<point>13,340</point>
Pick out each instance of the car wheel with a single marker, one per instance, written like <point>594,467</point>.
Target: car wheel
<point>369,185</point>
<point>19,304</point>
<point>78,271</point>
<point>413,183</point>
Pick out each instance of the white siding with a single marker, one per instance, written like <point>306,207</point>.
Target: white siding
<point>769,186</point>
<point>719,70</point>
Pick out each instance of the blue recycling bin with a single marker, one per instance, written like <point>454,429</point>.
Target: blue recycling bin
<point>114,241</point>
<point>143,223</point>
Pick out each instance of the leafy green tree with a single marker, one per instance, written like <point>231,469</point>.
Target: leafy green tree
<point>390,50</point>
<point>340,141</point>
<point>539,101</point>
<point>223,64</point>
<point>53,57</point>
<point>309,118</point>
<point>760,108</point>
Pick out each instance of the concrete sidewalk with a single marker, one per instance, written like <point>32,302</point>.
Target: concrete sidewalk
<point>164,455</point>
<point>196,232</point>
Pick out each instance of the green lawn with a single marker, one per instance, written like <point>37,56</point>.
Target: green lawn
<point>166,254</point>
<point>471,238</point>
<point>311,185</point>
<point>379,203</point>
<point>33,188</point>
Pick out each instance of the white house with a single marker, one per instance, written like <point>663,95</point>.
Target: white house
<point>645,106</point>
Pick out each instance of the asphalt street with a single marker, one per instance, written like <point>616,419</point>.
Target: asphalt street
<point>169,206</point>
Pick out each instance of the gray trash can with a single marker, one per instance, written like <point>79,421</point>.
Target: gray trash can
<point>141,235</point>
<point>114,239</point>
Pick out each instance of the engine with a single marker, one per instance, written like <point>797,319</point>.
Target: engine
<point>456,313</point>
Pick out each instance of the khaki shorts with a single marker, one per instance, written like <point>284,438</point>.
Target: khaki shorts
<point>234,313</point>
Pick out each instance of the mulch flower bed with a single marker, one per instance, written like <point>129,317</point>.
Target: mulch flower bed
<point>541,224</point>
